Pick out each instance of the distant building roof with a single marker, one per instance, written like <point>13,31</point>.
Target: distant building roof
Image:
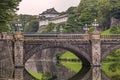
<point>50,11</point>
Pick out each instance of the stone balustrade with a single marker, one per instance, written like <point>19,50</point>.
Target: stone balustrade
<point>111,37</point>
<point>56,36</point>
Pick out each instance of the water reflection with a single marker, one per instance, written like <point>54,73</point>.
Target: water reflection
<point>14,74</point>
<point>59,72</point>
<point>54,71</point>
<point>112,69</point>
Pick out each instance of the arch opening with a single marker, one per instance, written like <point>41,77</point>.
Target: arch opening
<point>54,54</point>
<point>81,54</point>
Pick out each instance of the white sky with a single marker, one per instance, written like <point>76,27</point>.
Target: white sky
<point>35,7</point>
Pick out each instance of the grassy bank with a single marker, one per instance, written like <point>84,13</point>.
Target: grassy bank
<point>106,32</point>
<point>68,55</point>
<point>73,66</point>
<point>38,76</point>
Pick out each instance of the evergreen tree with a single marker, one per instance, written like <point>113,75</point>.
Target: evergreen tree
<point>7,11</point>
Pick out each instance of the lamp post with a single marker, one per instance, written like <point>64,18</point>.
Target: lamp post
<point>85,28</point>
<point>54,30</point>
<point>61,29</point>
<point>18,26</point>
<point>95,24</point>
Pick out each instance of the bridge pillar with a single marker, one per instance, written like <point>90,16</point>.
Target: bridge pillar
<point>4,35</point>
<point>96,48</point>
<point>18,74</point>
<point>96,73</point>
<point>18,49</point>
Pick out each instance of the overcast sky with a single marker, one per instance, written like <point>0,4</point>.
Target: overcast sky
<point>34,7</point>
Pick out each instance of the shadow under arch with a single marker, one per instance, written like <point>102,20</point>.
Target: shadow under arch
<point>85,58</point>
<point>108,52</point>
<point>83,74</point>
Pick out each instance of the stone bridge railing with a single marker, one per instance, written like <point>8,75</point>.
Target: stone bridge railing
<point>110,37</point>
<point>56,36</point>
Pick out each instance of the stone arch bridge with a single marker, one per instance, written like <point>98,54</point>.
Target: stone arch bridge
<point>90,48</point>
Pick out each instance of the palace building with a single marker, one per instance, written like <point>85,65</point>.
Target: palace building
<point>51,16</point>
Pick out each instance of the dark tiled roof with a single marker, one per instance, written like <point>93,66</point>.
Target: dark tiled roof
<point>50,11</point>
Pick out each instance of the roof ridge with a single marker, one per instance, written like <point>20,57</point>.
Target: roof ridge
<point>50,11</point>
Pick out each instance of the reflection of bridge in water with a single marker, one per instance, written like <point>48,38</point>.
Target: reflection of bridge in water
<point>91,49</point>
<point>61,73</point>
<point>14,74</point>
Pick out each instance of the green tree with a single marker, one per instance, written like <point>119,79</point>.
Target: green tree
<point>73,23</point>
<point>7,11</point>
<point>32,26</point>
<point>102,10</point>
<point>49,28</point>
<point>88,10</point>
<point>115,29</point>
<point>71,10</point>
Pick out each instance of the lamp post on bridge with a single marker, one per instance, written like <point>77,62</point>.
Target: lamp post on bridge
<point>18,26</point>
<point>96,45</point>
<point>61,29</point>
<point>95,24</point>
<point>54,30</point>
<point>85,28</point>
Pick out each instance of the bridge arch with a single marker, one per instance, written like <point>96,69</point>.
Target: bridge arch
<point>85,58</point>
<point>109,51</point>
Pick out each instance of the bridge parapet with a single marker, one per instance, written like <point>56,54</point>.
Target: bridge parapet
<point>110,37</point>
<point>56,36</point>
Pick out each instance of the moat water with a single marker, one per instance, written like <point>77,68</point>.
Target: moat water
<point>49,70</point>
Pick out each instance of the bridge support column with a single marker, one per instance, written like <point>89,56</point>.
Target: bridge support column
<point>96,49</point>
<point>4,35</point>
<point>96,73</point>
<point>18,49</point>
<point>18,74</point>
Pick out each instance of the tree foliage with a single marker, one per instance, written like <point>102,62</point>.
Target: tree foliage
<point>102,10</point>
<point>32,26</point>
<point>29,22</point>
<point>88,10</point>
<point>115,29</point>
<point>7,11</point>
<point>49,28</point>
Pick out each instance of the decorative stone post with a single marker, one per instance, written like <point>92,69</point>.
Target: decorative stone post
<point>18,49</point>
<point>96,48</point>
<point>4,35</point>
